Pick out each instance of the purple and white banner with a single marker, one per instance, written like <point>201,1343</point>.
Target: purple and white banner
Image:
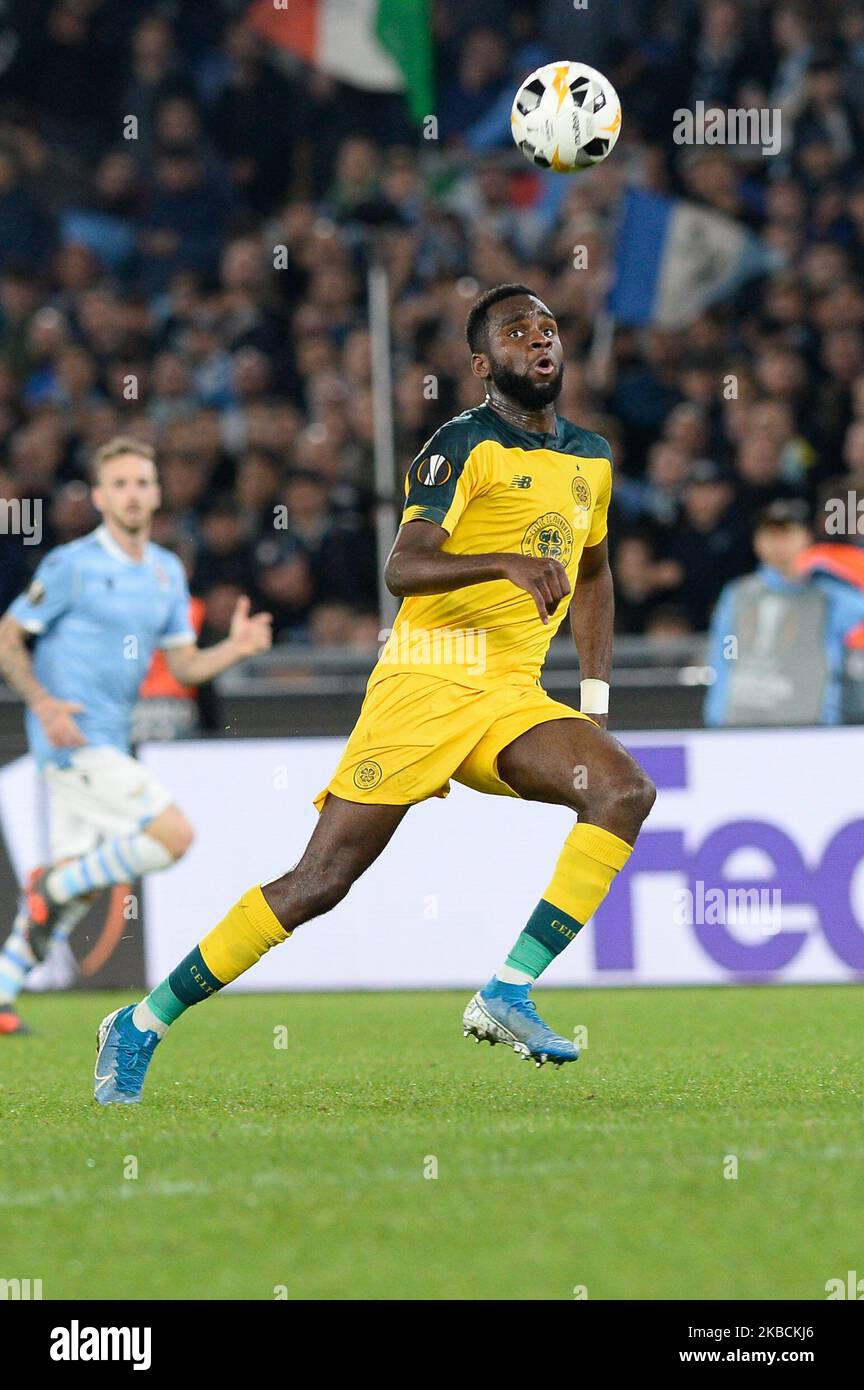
<point>750,867</point>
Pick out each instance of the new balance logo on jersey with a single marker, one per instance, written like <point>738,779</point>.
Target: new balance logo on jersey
<point>522,480</point>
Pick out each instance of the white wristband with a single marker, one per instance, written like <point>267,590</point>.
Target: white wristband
<point>594,697</point>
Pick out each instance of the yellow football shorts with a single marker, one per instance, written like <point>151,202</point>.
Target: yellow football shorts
<point>416,731</point>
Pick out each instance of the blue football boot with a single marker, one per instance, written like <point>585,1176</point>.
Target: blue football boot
<point>123,1054</point>
<point>506,1014</point>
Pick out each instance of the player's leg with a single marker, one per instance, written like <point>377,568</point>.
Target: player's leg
<point>26,946</point>
<point>111,822</point>
<point>575,763</point>
<point>16,961</point>
<point>18,957</point>
<point>347,839</point>
<point>142,846</point>
<point>413,731</point>
<point>566,762</point>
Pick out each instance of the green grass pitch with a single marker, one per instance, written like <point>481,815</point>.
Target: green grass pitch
<point>300,1169</point>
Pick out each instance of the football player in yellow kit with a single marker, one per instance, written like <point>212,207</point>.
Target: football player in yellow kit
<point>504,521</point>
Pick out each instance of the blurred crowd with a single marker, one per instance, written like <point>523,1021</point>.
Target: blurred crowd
<point>185,223</point>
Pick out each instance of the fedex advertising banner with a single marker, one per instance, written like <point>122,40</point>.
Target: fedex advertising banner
<point>748,869</point>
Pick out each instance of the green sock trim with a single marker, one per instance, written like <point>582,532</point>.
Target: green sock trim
<point>165,1004</point>
<point>529,956</point>
<point>548,930</point>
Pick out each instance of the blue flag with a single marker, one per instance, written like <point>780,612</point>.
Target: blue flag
<point>674,258</point>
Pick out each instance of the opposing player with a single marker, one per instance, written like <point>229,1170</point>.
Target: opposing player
<point>98,608</point>
<point>505,517</point>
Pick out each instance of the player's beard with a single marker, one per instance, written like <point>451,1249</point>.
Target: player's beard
<point>519,388</point>
<point>135,522</point>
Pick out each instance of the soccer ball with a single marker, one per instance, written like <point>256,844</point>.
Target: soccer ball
<point>566,116</point>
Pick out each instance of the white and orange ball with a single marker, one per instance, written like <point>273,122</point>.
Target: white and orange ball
<point>566,116</point>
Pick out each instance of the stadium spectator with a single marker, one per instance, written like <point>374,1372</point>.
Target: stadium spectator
<point>223,555</point>
<point>481,74</point>
<point>155,71</point>
<point>203,283</point>
<point>709,543</point>
<point>778,638</point>
<point>13,566</point>
<point>641,582</point>
<point>25,231</point>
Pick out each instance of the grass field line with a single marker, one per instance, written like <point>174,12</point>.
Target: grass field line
<point>186,1187</point>
<point>170,1187</point>
<point>314,1171</point>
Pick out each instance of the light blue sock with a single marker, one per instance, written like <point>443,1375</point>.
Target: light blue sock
<point>119,860</point>
<point>16,961</point>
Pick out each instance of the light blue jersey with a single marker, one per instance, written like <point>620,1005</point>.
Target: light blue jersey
<point>98,616</point>
<point>844,611</point>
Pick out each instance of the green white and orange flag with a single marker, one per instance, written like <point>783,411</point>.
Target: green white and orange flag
<point>379,45</point>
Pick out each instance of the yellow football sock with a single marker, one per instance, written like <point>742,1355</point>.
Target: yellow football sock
<point>249,929</point>
<point>586,866</point>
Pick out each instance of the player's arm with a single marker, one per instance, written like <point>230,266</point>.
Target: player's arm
<point>247,636</point>
<point>592,608</point>
<point>54,715</point>
<point>592,616</point>
<point>418,565</point>
<point>592,612</point>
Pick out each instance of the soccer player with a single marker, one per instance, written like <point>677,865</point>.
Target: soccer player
<point>505,518</point>
<point>98,609</point>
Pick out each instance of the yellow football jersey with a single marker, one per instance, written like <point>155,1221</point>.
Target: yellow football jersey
<point>494,488</point>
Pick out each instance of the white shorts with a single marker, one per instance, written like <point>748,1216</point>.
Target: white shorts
<point>102,793</point>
